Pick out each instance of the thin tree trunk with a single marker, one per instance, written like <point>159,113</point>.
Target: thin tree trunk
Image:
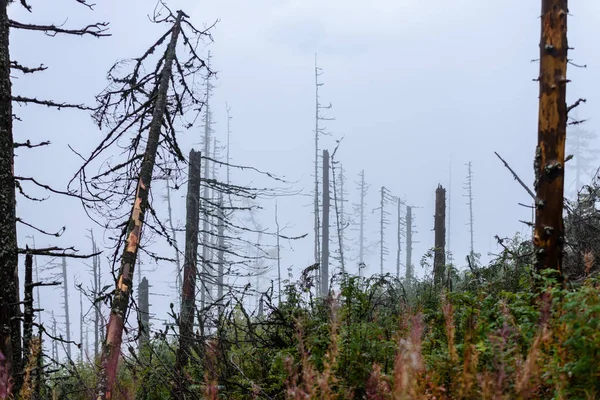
<point>409,267</point>
<point>96,291</point>
<point>361,245</point>
<point>144,309</point>
<point>190,270</point>
<point>552,127</point>
<point>66,306</point>
<point>469,187</point>
<point>317,224</point>
<point>399,238</point>
<point>439,260</point>
<point>278,255</point>
<point>206,287</point>
<point>338,214</point>
<point>81,338</point>
<point>28,304</point>
<point>10,332</point>
<point>174,236</point>
<point>325,236</point>
<point>114,334</point>
<point>221,254</point>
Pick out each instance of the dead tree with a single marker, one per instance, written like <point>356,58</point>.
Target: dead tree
<point>148,102</point>
<point>220,253</point>
<point>552,127</point>
<point>439,261</point>
<point>409,242</point>
<point>28,304</point>
<point>174,238</point>
<point>363,189</point>
<point>399,237</point>
<point>207,206</point>
<point>469,195</point>
<point>10,185</point>
<point>325,235</point>
<point>144,311</point>
<point>278,255</point>
<point>580,143</point>
<point>449,233</point>
<point>384,197</point>
<point>190,270</point>
<point>338,206</point>
<point>319,130</point>
<point>65,284</point>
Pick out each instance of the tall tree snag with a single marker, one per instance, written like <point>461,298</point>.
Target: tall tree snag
<point>552,126</point>
<point>439,260</point>
<point>325,227</point>
<point>114,334</point>
<point>190,270</point>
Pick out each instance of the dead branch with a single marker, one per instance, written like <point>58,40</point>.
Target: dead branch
<point>514,174</point>
<point>27,70</point>
<point>575,105</point>
<point>29,145</point>
<point>55,251</point>
<point>50,103</point>
<point>98,29</point>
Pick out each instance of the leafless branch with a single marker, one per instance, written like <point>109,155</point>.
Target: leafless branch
<point>576,104</point>
<point>98,29</point>
<point>514,174</point>
<point>49,103</point>
<point>31,146</point>
<point>27,70</point>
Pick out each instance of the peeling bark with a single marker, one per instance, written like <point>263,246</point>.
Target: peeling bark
<point>111,348</point>
<point>552,126</point>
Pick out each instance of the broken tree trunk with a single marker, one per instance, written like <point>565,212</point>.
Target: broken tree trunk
<point>325,226</point>
<point>144,307</point>
<point>439,260</point>
<point>190,268</point>
<point>114,332</point>
<point>552,126</point>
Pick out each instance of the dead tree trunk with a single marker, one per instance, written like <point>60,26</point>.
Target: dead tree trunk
<point>144,306</point>
<point>188,295</point>
<point>174,238</point>
<point>10,333</point>
<point>28,303</point>
<point>66,306</point>
<point>114,333</point>
<point>361,235</point>
<point>221,253</point>
<point>325,235</point>
<point>81,338</point>
<point>399,239</point>
<point>278,254</point>
<point>469,188</point>
<point>439,260</point>
<point>95,291</point>
<point>409,243</point>
<point>552,127</point>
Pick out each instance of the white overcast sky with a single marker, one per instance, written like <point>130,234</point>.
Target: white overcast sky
<point>413,85</point>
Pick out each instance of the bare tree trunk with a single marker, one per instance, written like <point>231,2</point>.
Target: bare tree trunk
<point>205,289</point>
<point>552,126</point>
<point>409,242</point>
<point>449,233</point>
<point>469,195</point>
<point>66,306</point>
<point>325,237</point>
<point>96,291</point>
<point>317,224</point>
<point>339,210</point>
<point>10,331</point>
<point>278,255</point>
<point>361,245</point>
<point>114,334</point>
<point>439,260</point>
<point>144,309</point>
<point>399,235</point>
<point>221,254</point>
<point>174,236</point>
<point>81,337</point>
<point>190,270</point>
<point>28,304</point>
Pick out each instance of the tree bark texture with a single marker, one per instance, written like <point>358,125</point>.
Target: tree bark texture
<point>552,126</point>
<point>439,260</point>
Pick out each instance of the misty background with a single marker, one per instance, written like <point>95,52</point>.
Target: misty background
<point>415,87</point>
